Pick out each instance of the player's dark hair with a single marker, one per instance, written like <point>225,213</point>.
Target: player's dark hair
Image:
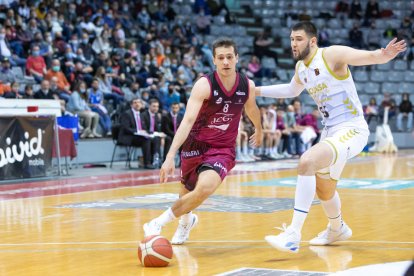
<point>224,42</point>
<point>307,26</point>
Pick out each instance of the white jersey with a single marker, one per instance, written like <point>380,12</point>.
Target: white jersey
<point>336,97</point>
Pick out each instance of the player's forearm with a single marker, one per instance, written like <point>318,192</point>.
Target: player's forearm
<point>291,90</point>
<point>254,116</point>
<point>179,138</point>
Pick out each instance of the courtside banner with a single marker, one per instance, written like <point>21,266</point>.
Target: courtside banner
<point>25,146</point>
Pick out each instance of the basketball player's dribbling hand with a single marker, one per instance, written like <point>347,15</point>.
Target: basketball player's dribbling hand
<point>256,139</point>
<point>167,169</point>
<point>393,49</point>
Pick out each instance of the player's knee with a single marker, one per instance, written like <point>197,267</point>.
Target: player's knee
<point>202,192</point>
<point>306,165</point>
<point>324,193</point>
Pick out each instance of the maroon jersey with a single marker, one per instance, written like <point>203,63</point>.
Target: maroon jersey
<point>217,123</point>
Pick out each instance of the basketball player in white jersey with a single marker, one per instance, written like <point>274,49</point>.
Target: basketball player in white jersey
<point>325,74</point>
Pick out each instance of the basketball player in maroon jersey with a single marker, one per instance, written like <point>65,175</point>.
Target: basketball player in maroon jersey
<point>208,135</point>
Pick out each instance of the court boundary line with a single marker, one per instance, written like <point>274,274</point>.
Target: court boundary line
<point>192,241</point>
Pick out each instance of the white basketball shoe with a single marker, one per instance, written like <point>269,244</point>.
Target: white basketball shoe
<point>183,231</point>
<point>152,228</point>
<point>329,236</point>
<point>288,240</point>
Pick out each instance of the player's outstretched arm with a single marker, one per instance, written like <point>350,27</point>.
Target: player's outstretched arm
<point>343,55</point>
<point>200,92</point>
<point>286,90</point>
<point>253,113</point>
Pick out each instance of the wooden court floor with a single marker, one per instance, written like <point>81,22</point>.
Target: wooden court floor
<point>91,225</point>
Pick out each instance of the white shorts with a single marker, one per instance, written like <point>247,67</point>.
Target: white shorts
<point>346,141</point>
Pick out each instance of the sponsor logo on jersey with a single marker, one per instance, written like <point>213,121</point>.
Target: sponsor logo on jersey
<point>221,127</point>
<point>240,93</point>
<point>316,72</point>
<point>320,87</point>
<point>191,153</point>
<point>219,100</point>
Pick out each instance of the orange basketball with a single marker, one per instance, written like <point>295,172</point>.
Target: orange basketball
<point>155,251</point>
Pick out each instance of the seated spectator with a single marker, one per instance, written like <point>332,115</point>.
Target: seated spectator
<point>262,43</point>
<point>256,69</point>
<point>271,134</point>
<point>371,110</point>
<point>203,22</point>
<point>406,28</point>
<point>131,126</point>
<point>36,66</point>
<point>131,92</point>
<point>95,101</point>
<point>169,124</point>
<point>387,103</point>
<point>54,88</point>
<point>6,74</point>
<point>6,50</point>
<point>311,120</point>
<point>323,37</point>
<point>298,128</point>
<point>172,96</point>
<point>406,110</point>
<point>355,12</point>
<point>372,11</point>
<point>44,93</point>
<point>282,125</point>
<point>356,38</point>
<point>102,43</point>
<point>14,92</point>
<point>105,86</point>
<point>342,9</point>
<point>151,123</point>
<point>62,82</point>
<point>28,92</point>
<point>78,105</point>
<point>389,32</point>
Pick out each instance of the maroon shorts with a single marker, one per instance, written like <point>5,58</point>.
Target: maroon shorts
<point>221,160</point>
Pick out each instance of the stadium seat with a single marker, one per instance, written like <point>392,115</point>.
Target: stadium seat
<point>378,76</point>
<point>388,87</point>
<point>409,76</point>
<point>400,65</point>
<point>395,76</point>
<point>361,75</point>
<point>372,88</point>
<point>385,66</point>
<point>406,87</point>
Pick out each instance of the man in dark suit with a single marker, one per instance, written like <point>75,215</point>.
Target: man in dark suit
<point>131,126</point>
<point>169,125</point>
<point>151,122</point>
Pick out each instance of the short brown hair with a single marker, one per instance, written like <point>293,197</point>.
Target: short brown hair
<point>224,42</point>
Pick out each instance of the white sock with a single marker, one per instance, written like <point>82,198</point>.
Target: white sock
<point>305,192</point>
<point>186,218</point>
<point>332,208</point>
<point>165,217</point>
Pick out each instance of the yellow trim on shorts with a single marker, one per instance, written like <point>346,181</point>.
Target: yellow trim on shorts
<point>332,73</point>
<point>333,146</point>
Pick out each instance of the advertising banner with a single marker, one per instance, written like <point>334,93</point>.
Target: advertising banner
<point>25,146</point>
